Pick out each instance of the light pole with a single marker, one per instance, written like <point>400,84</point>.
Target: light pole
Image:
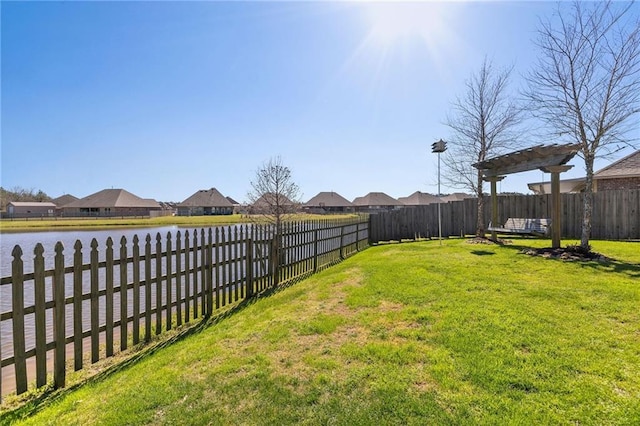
<point>439,147</point>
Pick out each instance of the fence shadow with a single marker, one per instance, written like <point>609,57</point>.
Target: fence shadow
<point>47,395</point>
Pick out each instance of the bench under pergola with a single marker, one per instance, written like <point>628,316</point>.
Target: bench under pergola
<point>551,159</point>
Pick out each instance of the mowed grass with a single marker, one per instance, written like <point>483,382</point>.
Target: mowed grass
<point>413,333</point>
<point>36,224</point>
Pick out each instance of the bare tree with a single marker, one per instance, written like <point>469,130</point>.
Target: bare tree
<point>273,197</point>
<point>586,84</point>
<point>484,122</point>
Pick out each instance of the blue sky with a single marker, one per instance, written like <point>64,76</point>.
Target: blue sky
<point>166,98</point>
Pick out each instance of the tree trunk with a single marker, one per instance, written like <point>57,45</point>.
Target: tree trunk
<point>480,231</point>
<point>588,203</point>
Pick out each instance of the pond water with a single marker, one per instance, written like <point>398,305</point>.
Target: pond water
<point>28,240</point>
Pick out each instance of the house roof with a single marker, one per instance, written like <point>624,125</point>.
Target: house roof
<point>232,201</point>
<point>419,199</point>
<point>270,199</point>
<point>456,196</point>
<point>32,204</point>
<point>376,199</point>
<point>64,200</point>
<point>206,198</point>
<point>113,198</point>
<point>627,166</point>
<point>328,199</point>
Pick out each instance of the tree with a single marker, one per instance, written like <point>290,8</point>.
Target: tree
<point>484,122</point>
<point>586,84</point>
<point>274,196</point>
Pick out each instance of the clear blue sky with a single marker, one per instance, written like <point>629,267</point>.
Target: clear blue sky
<point>166,98</point>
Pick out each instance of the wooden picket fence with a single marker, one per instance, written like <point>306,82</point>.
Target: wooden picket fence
<point>83,312</point>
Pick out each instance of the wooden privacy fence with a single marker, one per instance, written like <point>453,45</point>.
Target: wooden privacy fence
<point>616,216</point>
<point>74,313</point>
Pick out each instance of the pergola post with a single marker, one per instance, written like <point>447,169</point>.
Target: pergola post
<point>494,203</point>
<point>556,202</point>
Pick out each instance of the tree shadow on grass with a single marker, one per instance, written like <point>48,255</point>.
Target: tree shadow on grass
<point>632,270</point>
<point>44,396</point>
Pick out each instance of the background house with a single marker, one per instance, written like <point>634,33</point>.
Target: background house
<point>419,199</point>
<point>621,174</point>
<point>328,202</point>
<point>375,202</point>
<point>18,209</point>
<point>205,202</point>
<point>112,202</point>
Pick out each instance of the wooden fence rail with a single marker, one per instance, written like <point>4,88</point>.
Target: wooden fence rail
<point>616,216</point>
<point>128,294</point>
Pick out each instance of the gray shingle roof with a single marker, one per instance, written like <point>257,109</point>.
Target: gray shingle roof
<point>419,199</point>
<point>206,198</point>
<point>456,196</point>
<point>328,199</point>
<point>113,198</point>
<point>376,199</point>
<point>64,200</point>
<point>627,166</point>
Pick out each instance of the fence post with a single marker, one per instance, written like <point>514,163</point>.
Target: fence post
<point>41,330</point>
<point>59,355</point>
<point>168,261</point>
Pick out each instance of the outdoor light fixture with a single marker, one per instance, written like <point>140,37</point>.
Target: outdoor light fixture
<point>438,148</point>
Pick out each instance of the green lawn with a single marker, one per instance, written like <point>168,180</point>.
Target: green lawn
<point>413,333</point>
<point>35,224</point>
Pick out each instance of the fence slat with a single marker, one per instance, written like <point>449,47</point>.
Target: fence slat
<point>135,328</point>
<point>40,324</point>
<point>158,257</point>
<point>95,324</point>
<point>178,278</point>
<point>59,324</point>
<point>77,307</point>
<point>124,291</point>
<point>17,305</point>
<point>168,261</point>
<point>147,288</point>
<point>109,299</point>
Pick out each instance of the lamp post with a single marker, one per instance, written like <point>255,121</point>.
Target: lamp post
<point>438,148</point>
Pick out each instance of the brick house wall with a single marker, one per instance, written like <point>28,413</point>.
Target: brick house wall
<point>618,183</point>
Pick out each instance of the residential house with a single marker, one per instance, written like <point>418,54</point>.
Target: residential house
<point>111,202</point>
<point>328,202</point>
<point>375,202</point>
<point>270,203</point>
<point>456,196</point>
<point>25,209</point>
<point>621,174</point>
<point>419,199</point>
<point>63,200</point>
<point>205,202</point>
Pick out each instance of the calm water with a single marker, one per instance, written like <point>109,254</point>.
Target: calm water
<point>28,240</point>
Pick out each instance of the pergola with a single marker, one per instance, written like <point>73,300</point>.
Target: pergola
<point>548,158</point>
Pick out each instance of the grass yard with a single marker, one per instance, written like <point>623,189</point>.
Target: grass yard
<point>35,224</point>
<point>413,333</point>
